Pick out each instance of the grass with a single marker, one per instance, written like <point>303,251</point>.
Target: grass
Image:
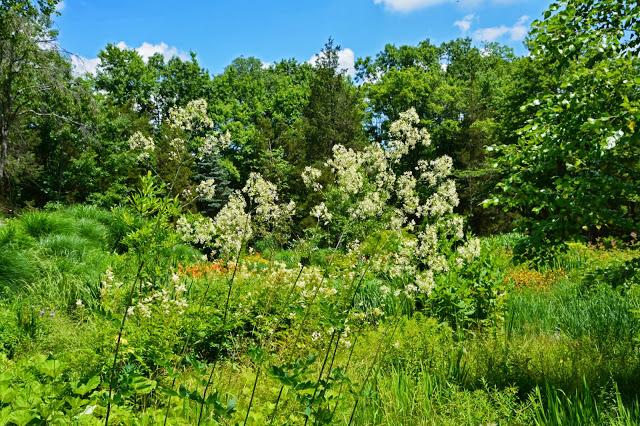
<point>560,350</point>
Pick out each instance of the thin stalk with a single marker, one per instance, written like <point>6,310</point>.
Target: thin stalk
<point>119,340</point>
<point>346,316</point>
<point>253,392</point>
<point>346,367</point>
<point>224,322</point>
<point>183,351</point>
<point>370,369</point>
<point>324,363</point>
<point>300,327</point>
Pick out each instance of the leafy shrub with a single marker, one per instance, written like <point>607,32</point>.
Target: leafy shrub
<point>473,295</point>
<point>620,275</point>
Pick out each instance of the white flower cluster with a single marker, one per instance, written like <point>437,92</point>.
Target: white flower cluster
<point>346,164</point>
<point>371,205</point>
<point>310,177</point>
<point>200,230</point>
<point>176,148</point>
<point>191,117</point>
<point>143,145</point>
<point>321,213</point>
<point>213,144</point>
<point>206,190</point>
<point>468,251</point>
<point>431,172</point>
<point>442,202</point>
<point>404,136</point>
<point>164,301</point>
<point>232,226</point>
<point>269,213</point>
<point>406,192</point>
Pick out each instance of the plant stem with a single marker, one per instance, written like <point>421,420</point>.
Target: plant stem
<point>118,341</point>
<point>324,363</point>
<point>224,321</point>
<point>371,367</point>
<point>255,384</point>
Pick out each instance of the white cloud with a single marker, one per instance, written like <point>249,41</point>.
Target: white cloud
<point>346,61</point>
<point>82,65</point>
<point>464,24</point>
<point>516,32</point>
<point>520,29</point>
<point>147,50</point>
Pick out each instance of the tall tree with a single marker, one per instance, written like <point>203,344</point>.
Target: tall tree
<point>574,171</point>
<point>29,66</point>
<point>335,112</point>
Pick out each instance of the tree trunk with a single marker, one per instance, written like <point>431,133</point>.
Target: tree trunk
<point>4,149</point>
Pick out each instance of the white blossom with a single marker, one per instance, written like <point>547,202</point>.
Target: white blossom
<point>322,213</point>
<point>345,163</point>
<point>469,251</point>
<point>191,117</point>
<point>206,189</point>
<point>143,145</point>
<point>404,136</point>
<point>232,225</point>
<point>310,177</point>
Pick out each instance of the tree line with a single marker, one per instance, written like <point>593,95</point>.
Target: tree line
<point>547,142</point>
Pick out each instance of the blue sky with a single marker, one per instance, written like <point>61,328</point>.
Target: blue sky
<point>221,30</point>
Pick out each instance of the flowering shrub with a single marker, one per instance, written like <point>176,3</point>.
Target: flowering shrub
<point>365,194</point>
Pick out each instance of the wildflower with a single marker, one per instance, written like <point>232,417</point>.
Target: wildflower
<point>139,142</point>
<point>176,147</point>
<point>321,213</point>
<point>264,195</point>
<point>436,170</point>
<point>425,282</point>
<point>232,226</point>
<point>410,289</point>
<point>370,206</point>
<point>191,117</point>
<point>406,192</point>
<point>346,163</point>
<point>206,189</point>
<point>143,309</point>
<point>315,336</point>
<point>310,177</point>
<point>175,277</point>
<point>213,144</point>
<point>443,201</point>
<point>79,304</point>
<point>404,136</point>
<point>469,251</point>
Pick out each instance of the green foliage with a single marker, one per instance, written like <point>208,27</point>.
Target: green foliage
<point>475,295</point>
<point>572,173</point>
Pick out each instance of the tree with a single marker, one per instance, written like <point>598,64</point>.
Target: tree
<point>573,174</point>
<point>335,112</point>
<point>456,89</point>
<point>29,66</point>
